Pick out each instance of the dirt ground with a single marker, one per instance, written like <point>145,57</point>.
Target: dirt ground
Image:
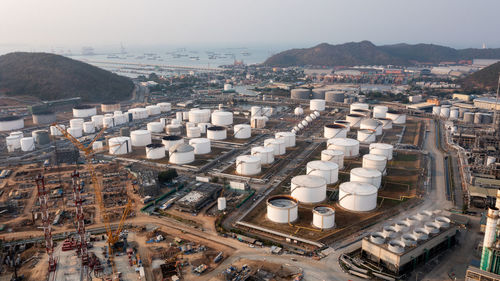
<point>281,272</point>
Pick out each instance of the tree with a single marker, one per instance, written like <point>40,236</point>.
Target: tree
<point>167,176</point>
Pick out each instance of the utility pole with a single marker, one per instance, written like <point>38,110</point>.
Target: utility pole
<point>496,118</point>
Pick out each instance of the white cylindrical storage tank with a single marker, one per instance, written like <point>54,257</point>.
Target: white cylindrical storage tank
<point>454,114</point>
<point>88,127</point>
<point>55,132</point>
<point>350,147</point>
<point>155,127</point>
<point>185,115</point>
<point>374,161</point>
<point>189,125</point>
<point>193,132</point>
<point>222,118</point>
<point>316,113</point>
<point>163,121</point>
<point>379,111</point>
<point>371,176</point>
<point>77,122</point>
<point>266,154</point>
<point>27,144</point>
<point>278,145</point>
<point>13,143</point>
<point>335,156</point>
<point>308,189</point>
<point>282,209</point>
<point>178,117</point>
<point>490,160</point>
<point>396,117</point>
<point>298,111</point>
<point>372,124</point>
<point>171,141</point>
<point>335,131</point>
<point>221,203</point>
<point>324,217</point>
<point>358,196</point>
<point>366,136</point>
<point>358,105</point>
<point>288,137</point>
<point>120,145</point>
<point>174,130</point>
<point>217,133</point>
<point>97,145</point>
<point>139,113</point>
<point>242,131</point>
<point>248,165</point>
<point>108,122</point>
<point>200,145</point>
<point>325,169</point>
<point>436,110</point>
<point>164,106</point>
<point>110,106</point>
<point>255,111</point>
<point>313,116</point>
<point>384,149</point>
<point>84,111</point>
<point>98,120</point>
<point>181,154</point>
<point>203,127</point>
<point>140,137</point>
<point>199,116</point>
<point>304,123</point>
<point>354,120</point>
<point>258,122</point>
<point>308,119</point>
<point>75,131</point>
<point>317,104</point>
<point>386,123</point>
<point>155,151</point>
<point>153,110</point>
<point>345,123</point>
<point>445,112</point>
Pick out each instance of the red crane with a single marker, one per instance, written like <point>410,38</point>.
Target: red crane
<point>43,198</point>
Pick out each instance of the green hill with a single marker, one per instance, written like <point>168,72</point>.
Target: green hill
<point>486,78</point>
<point>48,76</point>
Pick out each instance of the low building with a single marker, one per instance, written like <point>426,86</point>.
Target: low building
<point>487,103</point>
<point>198,197</point>
<point>475,274</point>
<point>462,97</point>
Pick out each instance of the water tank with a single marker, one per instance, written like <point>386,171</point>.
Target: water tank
<point>324,217</point>
<point>469,117</point>
<point>84,111</point>
<point>386,123</point>
<point>200,145</point>
<point>436,110</point>
<point>181,154</point>
<point>354,120</point>
<point>165,106</point>
<point>98,120</point>
<point>248,165</point>
<point>357,196</point>
<point>120,145</point>
<point>366,136</point>
<point>374,161</point>
<point>372,124</point>
<point>140,137</point>
<point>278,145</point>
<point>350,147</point>
<point>396,117</point>
<point>185,115</point>
<point>155,151</point>
<point>110,106</point>
<point>44,117</point>
<point>199,116</point>
<point>288,137</point>
<point>325,169</point>
<point>334,131</point>
<point>344,123</point>
<point>384,149</point>
<point>298,111</point>
<point>221,203</point>
<point>282,209</point>
<point>379,111</point>
<point>27,144</point>
<point>303,94</point>
<point>77,122</point>
<point>155,127</point>
<point>258,122</point>
<point>255,111</point>
<point>334,96</point>
<point>358,105</point>
<point>371,176</point>
<point>171,141</point>
<point>242,131</point>
<point>266,154</point>
<point>317,104</point>
<point>41,137</point>
<point>222,118</point>
<point>308,189</point>
<point>75,131</point>
<point>217,133</point>
<point>318,93</point>
<point>174,130</point>
<point>108,122</point>
<point>193,132</point>
<point>335,156</point>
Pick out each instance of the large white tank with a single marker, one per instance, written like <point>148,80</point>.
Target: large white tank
<point>97,119</point>
<point>222,118</point>
<point>445,112</point>
<point>324,217</point>
<point>358,196</point>
<point>120,145</point>
<point>165,106</point>
<point>344,123</point>
<point>258,122</point>
<point>84,111</point>
<point>55,132</point>
<point>199,116</point>
<point>221,203</point>
<point>436,110</point>
<point>278,145</point>
<point>242,131</point>
<point>386,123</point>
<point>298,111</point>
<point>76,122</point>
<point>255,111</point>
<point>153,110</point>
<point>217,133</point>
<point>27,144</point>
<point>371,176</point>
<point>372,124</point>
<point>266,154</point>
<point>200,145</point>
<point>335,156</point>
<point>367,136</point>
<point>317,104</point>
<point>139,113</point>
<point>155,151</point>
<point>308,189</point>
<point>354,119</point>
<point>108,122</point>
<point>325,169</point>
<point>248,165</point>
<point>282,209</point>
<point>13,143</point>
<point>88,127</point>
<point>374,161</point>
<point>350,147</point>
<point>140,137</point>
<point>75,131</point>
<point>181,154</point>
<point>193,132</point>
<point>396,117</point>
<point>335,131</point>
<point>155,127</point>
<point>384,149</point>
<point>379,111</point>
<point>171,141</point>
<point>289,138</point>
<point>358,105</point>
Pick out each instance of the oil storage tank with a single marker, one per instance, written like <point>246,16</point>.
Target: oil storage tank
<point>335,156</point>
<point>386,123</point>
<point>88,127</point>
<point>354,119</point>
<point>374,161</point>
<point>54,131</point>
<point>335,131</point>
<point>76,132</point>
<point>258,122</point>
<point>173,129</point>
<point>379,111</point>
<point>155,127</point>
<point>171,141</point>
<point>193,132</point>
<point>318,93</point>
<point>140,137</point>
<point>396,117</point>
<point>155,151</point>
<point>200,145</point>
<point>199,116</point>
<point>350,147</point>
<point>27,144</point>
<point>165,106</point>
<point>384,149</point>
<point>13,143</point>
<point>217,133</point>
<point>288,137</point>
<point>44,117</point>
<point>325,169</point>
<point>359,105</point>
<point>358,196</point>
<point>181,154</point>
<point>153,110</point>
<point>308,189</point>
<point>303,94</point>
<point>372,124</point>
<point>41,137</point>
<point>266,154</point>
<point>345,123</point>
<point>242,131</point>
<point>84,111</point>
<point>366,136</point>
<point>334,96</point>
<point>282,209</point>
<point>317,104</point>
<point>371,176</point>
<point>278,145</point>
<point>222,118</point>
<point>98,120</point>
<point>324,217</point>
<point>248,165</point>
<point>110,106</point>
<point>10,123</point>
<point>119,145</point>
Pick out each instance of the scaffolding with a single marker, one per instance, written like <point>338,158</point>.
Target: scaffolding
<point>43,198</point>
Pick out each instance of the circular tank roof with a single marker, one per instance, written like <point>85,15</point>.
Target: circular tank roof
<point>324,210</point>
<point>343,141</point>
<point>216,128</point>
<point>171,138</point>
<point>381,145</point>
<point>282,201</point>
<point>308,181</point>
<point>322,165</point>
<point>10,118</point>
<point>374,157</point>
<point>181,147</point>
<point>358,188</point>
<point>83,106</point>
<point>199,140</point>
<point>365,172</point>
<point>356,115</point>
<point>45,112</point>
<point>154,145</point>
<point>335,126</point>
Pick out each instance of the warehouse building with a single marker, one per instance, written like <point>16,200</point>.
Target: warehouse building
<point>198,198</point>
<point>486,103</point>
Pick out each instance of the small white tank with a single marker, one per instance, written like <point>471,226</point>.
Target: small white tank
<point>200,145</point>
<point>155,127</point>
<point>317,104</point>
<point>185,115</point>
<point>325,169</point>
<point>374,161</point>
<point>165,106</point>
<point>354,120</point>
<point>298,111</point>
<point>255,111</point>
<point>335,156</point>
<point>88,127</point>
<point>155,151</point>
<point>221,203</point>
<point>379,111</point>
<point>222,118</point>
<point>193,132</point>
<point>27,144</point>
<point>358,105</point>
<point>282,209</point>
<point>371,176</point>
<point>203,127</point>
<point>55,132</point>
<point>153,110</point>
<point>366,136</point>
<point>76,122</point>
<point>248,165</point>
<point>396,117</point>
<point>171,141</point>
<point>75,131</point>
<point>324,217</point>
<point>242,131</point>
<point>108,122</point>
<point>217,133</point>
<point>357,196</point>
<point>140,137</point>
<point>97,146</point>
<point>436,110</point>
<point>344,123</point>
<point>335,131</point>
<point>350,147</point>
<point>288,137</point>
<point>119,145</point>
<point>386,123</point>
<point>13,143</point>
<point>266,154</point>
<point>98,120</point>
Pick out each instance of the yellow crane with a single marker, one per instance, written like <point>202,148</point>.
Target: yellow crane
<point>113,236</point>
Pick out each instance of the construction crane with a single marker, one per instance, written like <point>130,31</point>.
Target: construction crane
<point>113,236</point>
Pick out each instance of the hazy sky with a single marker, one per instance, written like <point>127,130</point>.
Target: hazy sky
<point>74,23</point>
